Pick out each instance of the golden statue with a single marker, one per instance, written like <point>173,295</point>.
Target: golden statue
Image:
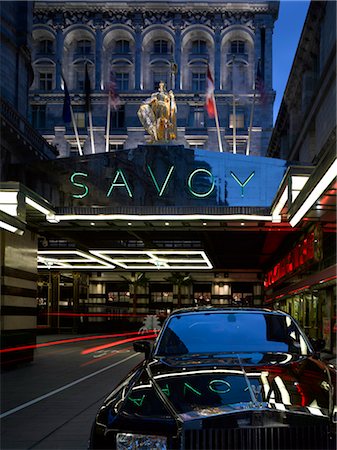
<point>158,115</point>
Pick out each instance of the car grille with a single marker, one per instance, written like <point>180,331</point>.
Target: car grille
<point>266,438</point>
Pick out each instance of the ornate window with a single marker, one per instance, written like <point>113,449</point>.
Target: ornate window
<point>158,76</point>
<point>240,120</point>
<point>199,47</point>
<point>79,116</point>
<point>45,81</point>
<point>199,117</point>
<point>161,47</point>
<point>83,47</point>
<point>118,118</point>
<point>122,46</point>
<point>39,116</point>
<point>198,81</point>
<point>237,47</point>
<point>122,81</point>
<point>46,47</point>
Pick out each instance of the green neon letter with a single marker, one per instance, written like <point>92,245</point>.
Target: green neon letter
<point>188,386</point>
<point>166,390</point>
<point>244,183</point>
<point>119,173</point>
<point>162,189</point>
<point>81,185</point>
<point>137,401</point>
<point>214,386</point>
<point>189,183</point>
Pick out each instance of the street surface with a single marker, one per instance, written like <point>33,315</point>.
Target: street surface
<point>51,402</point>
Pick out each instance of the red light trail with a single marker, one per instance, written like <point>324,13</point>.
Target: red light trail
<point>113,344</point>
<point>70,314</point>
<point>71,340</point>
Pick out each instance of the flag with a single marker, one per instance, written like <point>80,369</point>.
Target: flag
<point>210,102</point>
<point>87,89</point>
<point>114,98</point>
<point>66,104</point>
<point>259,83</point>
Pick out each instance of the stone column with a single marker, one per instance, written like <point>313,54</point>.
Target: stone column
<point>217,57</point>
<point>257,49</point>
<point>177,55</point>
<point>268,65</point>
<point>59,57</point>
<point>98,58</point>
<point>138,25</point>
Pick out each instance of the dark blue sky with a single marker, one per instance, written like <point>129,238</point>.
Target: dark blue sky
<point>287,32</point>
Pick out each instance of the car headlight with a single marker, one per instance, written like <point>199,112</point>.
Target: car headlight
<point>128,441</point>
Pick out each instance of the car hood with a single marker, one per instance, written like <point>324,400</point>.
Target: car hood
<point>200,386</point>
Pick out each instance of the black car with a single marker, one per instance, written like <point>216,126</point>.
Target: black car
<point>223,379</point>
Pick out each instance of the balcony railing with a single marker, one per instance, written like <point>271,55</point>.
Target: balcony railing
<point>163,56</point>
<point>79,55</point>
<point>24,129</point>
<point>199,56</point>
<point>237,57</point>
<point>126,56</point>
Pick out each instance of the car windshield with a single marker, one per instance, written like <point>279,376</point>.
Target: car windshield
<point>214,333</point>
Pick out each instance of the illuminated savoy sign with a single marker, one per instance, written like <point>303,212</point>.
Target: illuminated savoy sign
<point>200,182</point>
<point>165,177</point>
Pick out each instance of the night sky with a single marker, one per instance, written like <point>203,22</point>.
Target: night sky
<point>287,32</point>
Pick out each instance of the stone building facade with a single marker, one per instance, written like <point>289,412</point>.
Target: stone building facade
<point>141,44</point>
<point>305,133</point>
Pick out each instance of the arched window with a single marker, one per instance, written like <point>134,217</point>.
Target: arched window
<point>237,47</point>
<point>161,47</point>
<point>122,46</point>
<point>83,47</point>
<point>199,47</point>
<point>45,47</point>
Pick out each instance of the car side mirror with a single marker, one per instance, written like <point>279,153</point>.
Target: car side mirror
<point>143,347</point>
<point>318,344</point>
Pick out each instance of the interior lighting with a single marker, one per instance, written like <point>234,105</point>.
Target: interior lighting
<point>9,202</point>
<point>280,205</point>
<point>129,223</point>
<point>158,259</point>
<point>37,206</point>
<point>318,190</point>
<point>92,224</point>
<point>153,217</point>
<point>11,228</point>
<point>167,224</point>
<point>68,259</point>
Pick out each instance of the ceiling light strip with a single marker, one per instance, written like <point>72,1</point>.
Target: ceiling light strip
<point>318,190</point>
<point>154,217</point>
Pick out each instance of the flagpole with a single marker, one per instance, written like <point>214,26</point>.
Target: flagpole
<point>217,124</point>
<point>107,135</point>
<point>234,125</point>
<point>87,89</point>
<point>91,133</point>
<point>76,132</point>
<point>73,121</point>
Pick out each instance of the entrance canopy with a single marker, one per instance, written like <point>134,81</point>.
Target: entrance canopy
<point>156,208</point>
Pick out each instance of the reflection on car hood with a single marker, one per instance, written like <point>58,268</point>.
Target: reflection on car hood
<point>207,385</point>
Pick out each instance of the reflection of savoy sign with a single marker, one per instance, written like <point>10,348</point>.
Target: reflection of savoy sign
<point>120,181</point>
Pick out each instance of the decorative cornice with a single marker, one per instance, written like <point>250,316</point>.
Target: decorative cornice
<point>214,15</point>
